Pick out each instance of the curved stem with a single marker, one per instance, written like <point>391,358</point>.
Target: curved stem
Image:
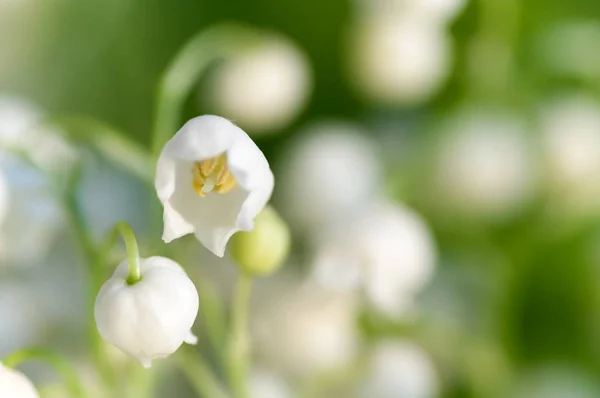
<point>133,254</point>
<point>238,344</point>
<point>183,73</point>
<point>61,366</point>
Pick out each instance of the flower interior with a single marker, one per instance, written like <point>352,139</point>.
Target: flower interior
<point>213,175</point>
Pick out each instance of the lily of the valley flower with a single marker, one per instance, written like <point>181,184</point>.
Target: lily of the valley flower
<point>212,180</point>
<point>14,384</point>
<point>151,318</point>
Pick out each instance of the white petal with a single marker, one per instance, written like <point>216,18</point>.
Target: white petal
<point>213,218</point>
<point>191,338</point>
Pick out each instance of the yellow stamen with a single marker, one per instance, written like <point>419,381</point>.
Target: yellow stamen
<point>212,174</point>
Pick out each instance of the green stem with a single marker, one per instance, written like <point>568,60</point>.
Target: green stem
<point>183,73</point>
<point>238,344</point>
<point>199,375</point>
<point>61,366</point>
<point>133,253</point>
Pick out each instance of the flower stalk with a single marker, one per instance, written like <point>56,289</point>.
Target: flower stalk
<point>239,350</point>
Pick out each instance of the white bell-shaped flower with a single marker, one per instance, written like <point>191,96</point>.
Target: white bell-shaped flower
<point>151,318</point>
<point>263,88</point>
<point>213,181</point>
<point>14,384</point>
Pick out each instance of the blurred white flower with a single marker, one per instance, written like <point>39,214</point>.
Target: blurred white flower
<point>22,131</point>
<point>485,166</point>
<point>212,180</point>
<point>14,384</point>
<point>396,59</point>
<point>264,384</point>
<point>33,216</point>
<point>327,176</point>
<point>264,88</point>
<point>400,369</point>
<point>390,251</point>
<point>151,318</point>
<point>301,328</point>
<point>435,12</point>
<point>571,144</point>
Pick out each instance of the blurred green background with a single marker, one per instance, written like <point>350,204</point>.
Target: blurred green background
<point>484,119</point>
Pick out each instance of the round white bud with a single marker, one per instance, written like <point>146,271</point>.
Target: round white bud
<point>151,318</point>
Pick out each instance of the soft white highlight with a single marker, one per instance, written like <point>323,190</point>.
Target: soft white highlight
<point>389,253</point>
<point>301,329</point>
<point>396,59</point>
<point>400,369</point>
<point>485,165</point>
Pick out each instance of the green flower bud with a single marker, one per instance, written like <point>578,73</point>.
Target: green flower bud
<point>264,249</point>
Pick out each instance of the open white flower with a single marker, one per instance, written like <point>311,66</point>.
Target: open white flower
<point>151,318</point>
<point>14,384</point>
<point>213,181</point>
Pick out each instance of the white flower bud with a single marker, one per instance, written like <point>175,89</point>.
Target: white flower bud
<point>264,88</point>
<point>399,60</point>
<point>14,384</point>
<point>485,166</point>
<point>151,318</point>
<point>327,176</point>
